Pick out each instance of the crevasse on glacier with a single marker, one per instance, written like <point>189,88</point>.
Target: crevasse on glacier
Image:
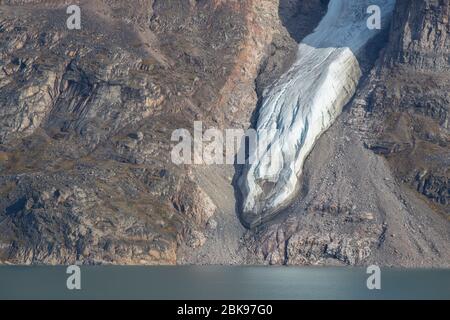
<point>304,103</point>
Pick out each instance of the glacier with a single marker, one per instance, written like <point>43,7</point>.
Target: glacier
<point>303,103</point>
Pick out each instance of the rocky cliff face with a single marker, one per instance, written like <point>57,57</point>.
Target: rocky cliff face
<point>408,95</point>
<point>86,117</point>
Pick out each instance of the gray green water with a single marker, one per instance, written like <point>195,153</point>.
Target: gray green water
<point>218,282</point>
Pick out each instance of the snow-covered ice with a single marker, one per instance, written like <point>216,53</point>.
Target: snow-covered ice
<point>305,102</point>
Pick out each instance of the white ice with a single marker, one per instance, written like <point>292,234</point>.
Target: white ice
<point>305,102</point>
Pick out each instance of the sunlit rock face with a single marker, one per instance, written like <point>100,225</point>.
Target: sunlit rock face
<point>304,103</point>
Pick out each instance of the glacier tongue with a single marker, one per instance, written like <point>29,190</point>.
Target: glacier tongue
<point>304,103</point>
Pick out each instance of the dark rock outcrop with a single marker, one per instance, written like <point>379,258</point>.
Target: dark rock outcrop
<point>407,95</point>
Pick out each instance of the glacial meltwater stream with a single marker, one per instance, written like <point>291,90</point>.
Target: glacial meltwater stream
<point>298,108</point>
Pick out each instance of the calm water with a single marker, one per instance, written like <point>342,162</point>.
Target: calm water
<point>221,283</point>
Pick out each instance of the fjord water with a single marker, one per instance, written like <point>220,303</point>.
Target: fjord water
<point>221,282</point>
